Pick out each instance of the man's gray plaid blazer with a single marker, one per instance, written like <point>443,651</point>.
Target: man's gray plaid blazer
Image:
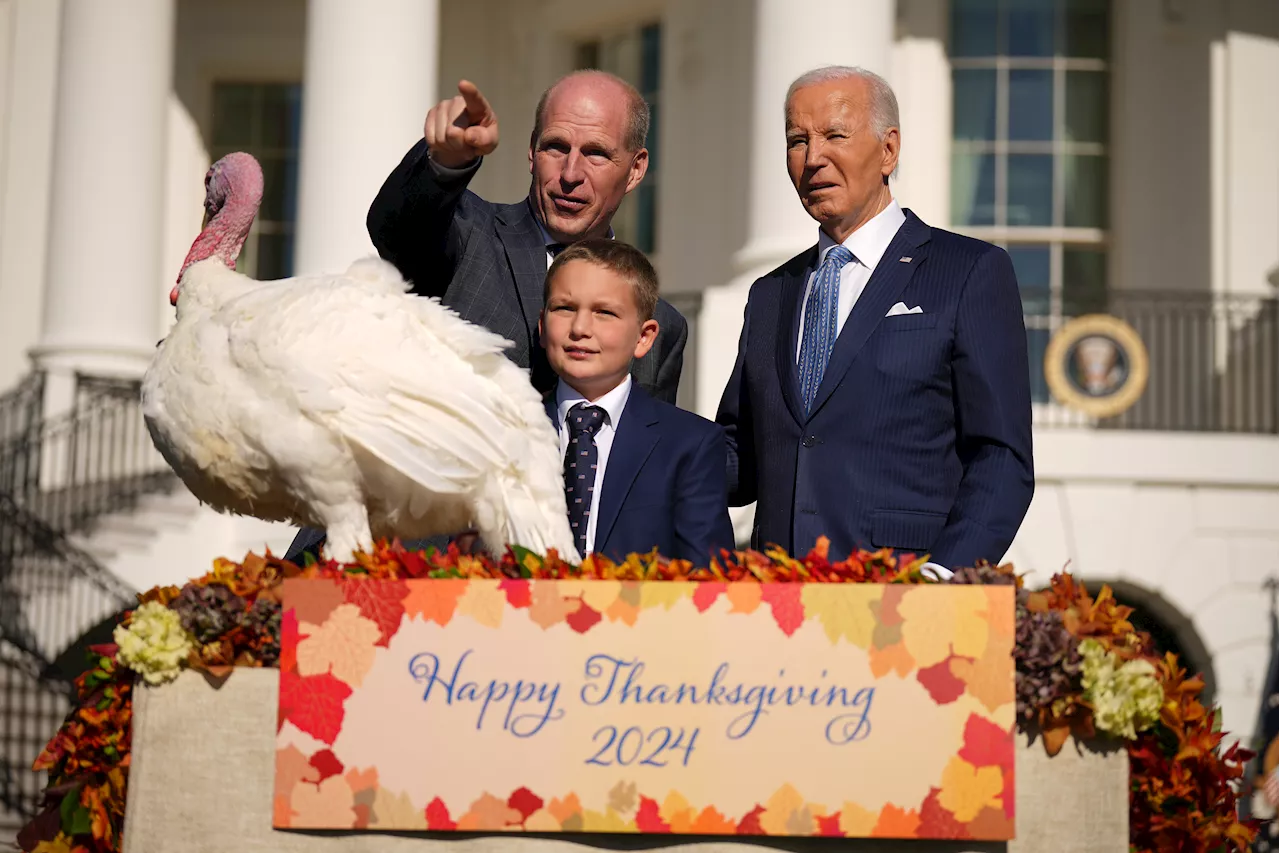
<point>488,262</point>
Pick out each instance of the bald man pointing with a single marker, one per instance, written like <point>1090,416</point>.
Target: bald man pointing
<point>487,261</point>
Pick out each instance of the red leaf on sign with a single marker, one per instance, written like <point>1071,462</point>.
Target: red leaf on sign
<point>327,763</point>
<point>936,821</point>
<point>986,744</point>
<point>942,685</point>
<point>829,825</point>
<point>583,619</point>
<point>289,641</point>
<point>518,592</point>
<point>438,815</point>
<point>750,823</point>
<point>784,600</point>
<point>379,601</point>
<point>1007,793</point>
<point>526,802</point>
<point>314,703</point>
<point>705,595</point>
<point>648,819</point>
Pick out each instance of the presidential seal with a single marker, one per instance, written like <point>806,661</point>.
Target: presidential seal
<point>1097,365</point>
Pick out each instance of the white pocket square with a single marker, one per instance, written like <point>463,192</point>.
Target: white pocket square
<point>901,308</point>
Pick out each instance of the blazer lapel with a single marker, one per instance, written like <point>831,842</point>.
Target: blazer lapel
<point>522,240</point>
<point>788,336</point>
<point>634,439</point>
<point>891,275</point>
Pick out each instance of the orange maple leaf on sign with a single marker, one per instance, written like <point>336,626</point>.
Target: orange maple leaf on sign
<point>896,823</point>
<point>895,658</point>
<point>745,597</point>
<point>434,600</point>
<point>489,812</point>
<point>711,822</point>
<point>564,809</point>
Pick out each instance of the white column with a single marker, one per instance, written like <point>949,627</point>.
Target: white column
<point>105,288</point>
<point>370,78</point>
<point>829,32</point>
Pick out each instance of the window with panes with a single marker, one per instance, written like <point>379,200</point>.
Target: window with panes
<point>264,119</point>
<point>635,55</point>
<point>1029,165</point>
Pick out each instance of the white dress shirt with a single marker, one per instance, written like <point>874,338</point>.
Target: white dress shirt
<point>868,245</point>
<point>613,404</point>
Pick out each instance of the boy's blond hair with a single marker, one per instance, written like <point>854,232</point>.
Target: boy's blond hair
<point>625,260</point>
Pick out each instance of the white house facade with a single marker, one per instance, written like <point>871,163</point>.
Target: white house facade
<point>1124,152</point>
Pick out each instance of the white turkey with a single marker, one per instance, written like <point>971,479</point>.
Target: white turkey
<point>344,402</point>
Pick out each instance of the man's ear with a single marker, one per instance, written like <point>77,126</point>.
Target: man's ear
<point>542,338</point>
<point>648,334</point>
<point>639,166</point>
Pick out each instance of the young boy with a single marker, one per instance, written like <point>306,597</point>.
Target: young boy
<point>639,473</point>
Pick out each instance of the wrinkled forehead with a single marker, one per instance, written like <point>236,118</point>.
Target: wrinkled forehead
<point>841,102</point>
<point>594,107</point>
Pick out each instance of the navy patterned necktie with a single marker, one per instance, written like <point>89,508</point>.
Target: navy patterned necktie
<point>584,422</point>
<point>821,320</point>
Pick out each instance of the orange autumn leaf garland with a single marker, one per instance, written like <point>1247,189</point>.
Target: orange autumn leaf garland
<point>1181,778</point>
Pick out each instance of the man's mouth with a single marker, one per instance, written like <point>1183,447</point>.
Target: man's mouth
<point>578,353</point>
<point>568,204</point>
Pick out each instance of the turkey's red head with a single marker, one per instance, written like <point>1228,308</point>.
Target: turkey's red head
<point>232,193</point>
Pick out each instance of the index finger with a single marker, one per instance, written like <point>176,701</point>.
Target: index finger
<point>477,107</point>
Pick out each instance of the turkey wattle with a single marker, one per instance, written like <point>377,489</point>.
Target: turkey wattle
<point>343,402</point>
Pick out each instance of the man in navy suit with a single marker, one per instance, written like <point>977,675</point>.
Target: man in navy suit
<point>639,473</point>
<point>881,394</point>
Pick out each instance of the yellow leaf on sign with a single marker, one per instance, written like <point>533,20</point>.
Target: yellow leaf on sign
<point>966,789</point>
<point>937,623</point>
<point>396,811</point>
<point>843,612</point>
<point>607,822</point>
<point>665,593</point>
<point>542,821</point>
<point>677,812</point>
<point>483,602</point>
<point>778,811</point>
<point>343,645</point>
<point>600,595</point>
<point>857,822</point>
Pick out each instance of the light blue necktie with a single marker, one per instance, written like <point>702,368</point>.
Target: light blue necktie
<point>821,320</point>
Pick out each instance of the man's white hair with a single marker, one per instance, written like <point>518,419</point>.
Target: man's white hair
<point>883,106</point>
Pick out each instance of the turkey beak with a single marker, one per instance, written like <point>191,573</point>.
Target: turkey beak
<point>204,223</point>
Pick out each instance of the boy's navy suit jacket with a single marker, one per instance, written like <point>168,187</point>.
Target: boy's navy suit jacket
<point>665,484</point>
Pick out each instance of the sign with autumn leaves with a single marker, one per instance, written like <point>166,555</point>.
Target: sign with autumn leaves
<point>704,708</point>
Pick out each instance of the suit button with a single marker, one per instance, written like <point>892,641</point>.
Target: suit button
<point>810,441</point>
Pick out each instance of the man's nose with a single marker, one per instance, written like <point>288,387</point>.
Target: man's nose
<point>572,173</point>
<point>814,154</point>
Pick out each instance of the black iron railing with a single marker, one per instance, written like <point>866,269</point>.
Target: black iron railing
<point>97,459</point>
<point>1213,363</point>
<point>58,476</point>
<point>51,595</point>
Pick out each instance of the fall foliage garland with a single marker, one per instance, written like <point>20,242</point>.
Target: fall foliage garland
<point>1182,795</point>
